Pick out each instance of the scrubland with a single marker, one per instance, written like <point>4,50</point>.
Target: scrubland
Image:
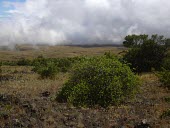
<point>28,100</point>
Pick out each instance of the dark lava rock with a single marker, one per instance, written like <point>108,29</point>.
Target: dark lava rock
<point>143,124</point>
<point>8,99</point>
<point>3,98</point>
<point>45,94</point>
<point>4,115</point>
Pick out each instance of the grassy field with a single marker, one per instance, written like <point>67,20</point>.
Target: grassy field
<point>26,100</point>
<point>29,52</point>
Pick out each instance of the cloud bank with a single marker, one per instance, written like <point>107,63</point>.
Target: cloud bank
<point>82,21</point>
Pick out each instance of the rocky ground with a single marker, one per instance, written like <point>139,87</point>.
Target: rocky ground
<point>21,110</point>
<point>26,101</point>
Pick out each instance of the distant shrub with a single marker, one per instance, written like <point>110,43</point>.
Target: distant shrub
<point>166,63</point>
<point>110,55</point>
<point>146,56</point>
<point>48,71</point>
<point>134,40</point>
<point>45,66</point>
<point>20,62</point>
<point>24,62</point>
<point>38,63</point>
<point>164,77</point>
<point>168,42</point>
<point>99,81</point>
<point>10,63</point>
<point>63,64</point>
<point>137,40</point>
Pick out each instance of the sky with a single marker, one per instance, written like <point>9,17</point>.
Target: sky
<point>83,22</point>
<point>4,7</point>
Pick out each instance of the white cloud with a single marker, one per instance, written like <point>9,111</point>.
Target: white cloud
<point>97,4</point>
<point>83,21</point>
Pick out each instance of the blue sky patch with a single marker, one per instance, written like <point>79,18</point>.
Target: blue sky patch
<point>3,8</point>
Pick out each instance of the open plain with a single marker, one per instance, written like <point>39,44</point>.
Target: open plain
<point>28,101</point>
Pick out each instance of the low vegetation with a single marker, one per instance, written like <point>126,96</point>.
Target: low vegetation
<point>133,40</point>
<point>167,99</point>
<point>99,81</point>
<point>166,62</point>
<point>46,67</point>
<point>145,53</point>
<point>89,81</point>
<point>0,68</point>
<point>50,67</point>
<point>0,71</point>
<point>49,70</point>
<point>164,77</point>
<point>166,114</point>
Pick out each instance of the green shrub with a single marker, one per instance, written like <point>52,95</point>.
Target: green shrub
<point>49,67</point>
<point>166,63</point>
<point>146,56</point>
<point>24,62</point>
<point>63,64</point>
<point>164,77</point>
<point>110,55</point>
<point>165,114</point>
<point>47,71</point>
<point>21,62</point>
<point>99,81</point>
<point>134,40</point>
<point>38,63</point>
<point>10,63</point>
<point>167,99</point>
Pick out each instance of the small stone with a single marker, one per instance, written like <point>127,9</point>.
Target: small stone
<point>143,124</point>
<point>45,94</point>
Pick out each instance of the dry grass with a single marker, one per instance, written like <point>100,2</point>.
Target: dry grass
<point>55,52</point>
<point>21,80</point>
<point>27,81</point>
<point>33,110</point>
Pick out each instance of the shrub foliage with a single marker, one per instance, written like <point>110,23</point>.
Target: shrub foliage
<point>99,81</point>
<point>166,62</point>
<point>49,67</point>
<point>147,55</point>
<point>134,40</point>
<point>0,69</point>
<point>46,67</point>
<point>165,114</point>
<point>164,77</point>
<point>49,70</point>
